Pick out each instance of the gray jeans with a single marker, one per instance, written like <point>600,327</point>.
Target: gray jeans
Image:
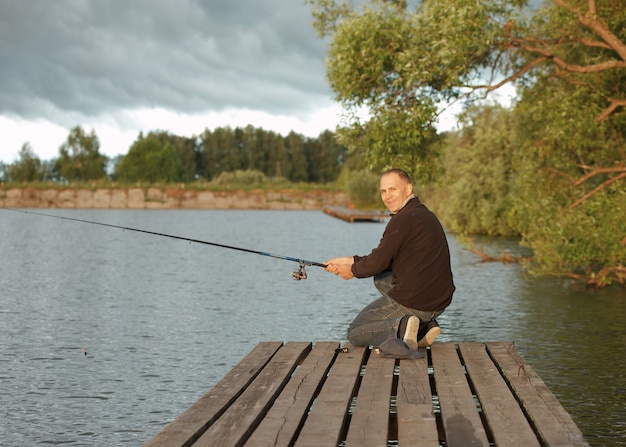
<point>380,319</point>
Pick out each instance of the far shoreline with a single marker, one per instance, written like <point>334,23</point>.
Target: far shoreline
<point>168,198</point>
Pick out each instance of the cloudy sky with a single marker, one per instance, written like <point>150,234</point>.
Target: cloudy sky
<point>120,67</point>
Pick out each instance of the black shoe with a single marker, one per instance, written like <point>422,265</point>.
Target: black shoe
<point>428,333</point>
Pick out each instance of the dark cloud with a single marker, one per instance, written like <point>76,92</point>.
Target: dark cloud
<point>96,57</point>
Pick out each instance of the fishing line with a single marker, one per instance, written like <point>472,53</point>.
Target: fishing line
<point>297,275</point>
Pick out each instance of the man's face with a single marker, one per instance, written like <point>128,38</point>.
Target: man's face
<point>394,191</point>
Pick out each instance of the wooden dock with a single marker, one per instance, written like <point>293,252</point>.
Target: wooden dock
<point>354,215</point>
<point>300,394</point>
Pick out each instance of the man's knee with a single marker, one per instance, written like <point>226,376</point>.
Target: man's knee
<point>354,339</point>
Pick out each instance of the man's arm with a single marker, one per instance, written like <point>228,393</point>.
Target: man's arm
<point>340,266</point>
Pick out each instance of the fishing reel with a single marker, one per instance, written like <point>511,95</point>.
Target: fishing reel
<point>300,273</point>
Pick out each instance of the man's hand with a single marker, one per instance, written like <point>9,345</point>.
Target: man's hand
<point>340,266</point>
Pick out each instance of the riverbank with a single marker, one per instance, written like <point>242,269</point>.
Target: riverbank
<point>168,198</point>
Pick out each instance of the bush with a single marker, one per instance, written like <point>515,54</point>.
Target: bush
<point>238,178</point>
<point>363,189</point>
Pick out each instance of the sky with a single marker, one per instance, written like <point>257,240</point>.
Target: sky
<point>121,67</point>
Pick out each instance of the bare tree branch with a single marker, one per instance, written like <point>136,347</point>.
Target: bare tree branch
<point>602,277</point>
<point>573,68</point>
<point>598,188</point>
<point>595,43</point>
<point>615,103</point>
<point>610,41</point>
<point>505,257</point>
<point>525,69</point>
<point>592,22</point>
<point>597,171</point>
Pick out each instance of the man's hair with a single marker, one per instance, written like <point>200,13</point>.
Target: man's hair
<point>401,173</point>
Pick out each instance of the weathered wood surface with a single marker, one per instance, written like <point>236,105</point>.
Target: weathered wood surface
<point>300,394</point>
<point>353,215</point>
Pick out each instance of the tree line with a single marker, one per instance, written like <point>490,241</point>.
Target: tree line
<point>163,157</point>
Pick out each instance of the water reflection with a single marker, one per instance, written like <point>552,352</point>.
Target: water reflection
<point>576,341</point>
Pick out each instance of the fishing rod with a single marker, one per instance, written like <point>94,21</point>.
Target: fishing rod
<point>297,275</point>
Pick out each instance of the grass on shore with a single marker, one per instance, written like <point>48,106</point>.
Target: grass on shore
<point>200,185</point>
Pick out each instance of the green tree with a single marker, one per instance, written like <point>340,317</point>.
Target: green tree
<point>295,147</point>
<point>278,161</point>
<point>207,167</point>
<point>258,150</point>
<point>80,158</point>
<point>28,168</point>
<point>569,192</point>
<point>399,68</point>
<point>221,151</point>
<point>403,67</point>
<point>391,69</point>
<point>249,136</point>
<point>187,155</point>
<point>150,159</point>
<point>325,157</point>
<point>474,196</point>
<point>293,157</point>
<point>363,188</point>
<point>185,150</point>
<point>227,152</point>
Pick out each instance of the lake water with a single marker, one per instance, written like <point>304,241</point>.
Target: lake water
<point>106,335</point>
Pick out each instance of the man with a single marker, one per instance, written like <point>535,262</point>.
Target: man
<point>411,269</point>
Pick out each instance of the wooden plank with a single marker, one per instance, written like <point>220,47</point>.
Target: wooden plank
<point>417,425</point>
<point>186,428</point>
<point>283,421</point>
<point>504,416</point>
<point>242,417</point>
<point>325,423</point>
<point>461,420</point>
<point>297,395</point>
<point>369,426</point>
<point>553,424</point>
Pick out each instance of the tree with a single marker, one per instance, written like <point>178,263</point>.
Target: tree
<point>221,151</point>
<point>249,136</point>
<point>28,168</point>
<point>258,150</point>
<point>569,191</point>
<point>570,199</point>
<point>399,67</point>
<point>80,158</point>
<point>568,60</point>
<point>151,159</point>
<point>295,148</point>
<point>254,149</point>
<point>187,155</point>
<point>474,196</point>
<point>404,67</point>
<point>209,158</point>
<point>185,150</point>
<point>278,161</point>
<point>226,150</point>
<point>325,157</point>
